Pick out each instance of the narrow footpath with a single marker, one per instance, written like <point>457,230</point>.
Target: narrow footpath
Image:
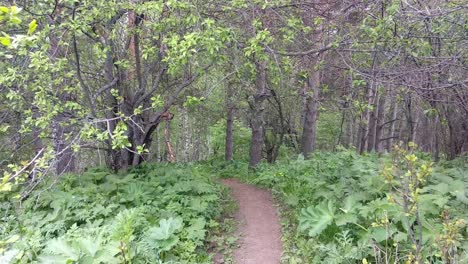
<point>259,228</point>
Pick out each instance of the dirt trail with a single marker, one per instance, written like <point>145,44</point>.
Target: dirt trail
<point>259,228</point>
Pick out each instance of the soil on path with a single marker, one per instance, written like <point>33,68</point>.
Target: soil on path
<point>259,228</point>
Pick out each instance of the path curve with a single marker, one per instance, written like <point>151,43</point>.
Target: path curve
<point>259,228</point>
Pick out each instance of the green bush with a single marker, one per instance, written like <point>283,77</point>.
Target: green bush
<point>339,208</point>
<point>153,214</point>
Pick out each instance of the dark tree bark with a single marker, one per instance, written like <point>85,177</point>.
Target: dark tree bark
<point>278,131</point>
<point>464,148</point>
<point>229,151</point>
<point>256,122</point>
<point>372,123</point>
<point>310,114</point>
<point>362,135</point>
<point>393,123</point>
<point>409,118</point>
<point>365,122</point>
<point>380,123</point>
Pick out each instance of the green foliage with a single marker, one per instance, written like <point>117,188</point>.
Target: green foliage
<point>314,220</point>
<point>338,208</point>
<point>328,128</point>
<point>152,214</point>
<point>193,101</point>
<point>241,139</point>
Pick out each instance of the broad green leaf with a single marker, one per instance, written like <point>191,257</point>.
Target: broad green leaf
<point>381,233</point>
<point>167,227</point>
<point>314,220</point>
<point>400,236</point>
<point>196,231</point>
<point>61,248</point>
<point>163,237</point>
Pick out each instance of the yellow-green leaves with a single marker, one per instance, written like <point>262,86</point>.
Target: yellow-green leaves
<point>193,101</point>
<point>3,10</point>
<point>10,15</point>
<point>32,27</point>
<point>4,128</point>
<point>256,44</point>
<point>157,101</point>
<point>5,187</point>
<point>119,136</point>
<point>141,149</point>
<point>5,40</point>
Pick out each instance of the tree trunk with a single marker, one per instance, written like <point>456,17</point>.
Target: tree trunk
<point>196,147</point>
<point>409,118</point>
<point>138,140</point>
<point>186,133</point>
<point>349,134</point>
<point>379,124</point>
<point>229,148</point>
<point>391,134</point>
<point>310,114</point>
<point>365,121</point>
<point>158,146</point>
<point>229,134</point>
<point>416,121</point>
<point>363,134</point>
<point>372,124</point>
<point>258,108</point>
<point>282,128</point>
<point>167,138</point>
<point>464,148</point>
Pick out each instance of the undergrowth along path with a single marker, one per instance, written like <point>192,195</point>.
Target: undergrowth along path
<point>259,228</point>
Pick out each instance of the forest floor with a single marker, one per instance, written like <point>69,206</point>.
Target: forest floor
<point>259,228</point>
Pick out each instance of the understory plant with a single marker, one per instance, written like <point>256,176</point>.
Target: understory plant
<point>347,208</point>
<point>154,213</point>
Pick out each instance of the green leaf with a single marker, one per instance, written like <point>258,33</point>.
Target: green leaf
<point>14,10</point>
<point>4,9</point>
<point>32,27</point>
<point>164,236</point>
<point>5,40</point>
<point>315,219</point>
<point>196,231</point>
<point>400,237</point>
<point>61,248</point>
<point>381,233</point>
<point>167,227</point>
